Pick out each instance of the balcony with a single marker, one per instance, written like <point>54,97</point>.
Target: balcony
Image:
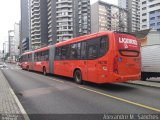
<point>64,6</point>
<point>64,1</point>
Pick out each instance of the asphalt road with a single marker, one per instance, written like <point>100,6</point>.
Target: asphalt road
<point>57,95</point>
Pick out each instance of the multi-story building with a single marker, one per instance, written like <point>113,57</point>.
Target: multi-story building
<point>150,14</point>
<point>108,17</point>
<point>133,8</point>
<point>16,38</point>
<point>1,55</point>
<point>39,23</point>
<point>11,42</point>
<point>24,24</point>
<point>68,19</point>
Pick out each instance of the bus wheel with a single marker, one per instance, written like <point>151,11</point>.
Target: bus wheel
<point>78,77</point>
<point>44,71</point>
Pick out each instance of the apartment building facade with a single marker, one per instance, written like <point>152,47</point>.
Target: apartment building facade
<point>16,38</point>
<point>108,17</point>
<point>68,19</point>
<point>24,26</point>
<point>133,8</point>
<point>150,14</point>
<point>38,23</point>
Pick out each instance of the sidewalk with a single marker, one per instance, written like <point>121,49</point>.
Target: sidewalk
<point>148,83</point>
<point>10,107</point>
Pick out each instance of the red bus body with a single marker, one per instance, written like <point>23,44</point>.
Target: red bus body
<point>27,63</point>
<point>104,57</point>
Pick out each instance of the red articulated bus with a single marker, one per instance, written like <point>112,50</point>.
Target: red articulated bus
<point>104,57</point>
<point>26,60</point>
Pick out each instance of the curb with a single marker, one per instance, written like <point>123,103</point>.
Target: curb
<point>24,113</point>
<point>144,83</point>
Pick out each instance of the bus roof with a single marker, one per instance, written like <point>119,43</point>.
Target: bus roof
<point>26,53</point>
<point>82,38</point>
<point>42,49</point>
<point>37,50</point>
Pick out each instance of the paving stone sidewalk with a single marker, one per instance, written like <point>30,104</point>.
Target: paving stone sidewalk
<point>9,109</point>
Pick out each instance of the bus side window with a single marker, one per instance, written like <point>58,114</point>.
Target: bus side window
<point>43,55</point>
<point>46,55</point>
<point>92,52</point>
<point>35,57</point>
<point>78,50</point>
<point>75,51</point>
<point>28,57</point>
<point>83,51</point>
<point>103,46</point>
<point>58,53</point>
<point>64,51</point>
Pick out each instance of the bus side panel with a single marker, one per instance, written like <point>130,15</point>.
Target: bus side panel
<point>32,67</point>
<point>51,59</point>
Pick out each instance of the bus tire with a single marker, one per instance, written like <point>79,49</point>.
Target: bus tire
<point>44,71</point>
<point>78,77</point>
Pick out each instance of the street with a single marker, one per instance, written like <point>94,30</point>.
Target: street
<point>57,95</point>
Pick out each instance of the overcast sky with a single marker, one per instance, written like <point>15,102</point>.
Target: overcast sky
<point>10,13</point>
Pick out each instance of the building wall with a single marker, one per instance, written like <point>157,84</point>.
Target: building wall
<point>152,38</point>
<point>25,44</point>
<point>16,38</point>
<point>52,29</point>
<point>82,17</point>
<point>39,23</point>
<point>44,22</point>
<point>67,22</point>
<point>107,17</point>
<point>24,30</point>
<point>95,17</point>
<point>122,3</point>
<point>150,14</point>
<point>133,8</point>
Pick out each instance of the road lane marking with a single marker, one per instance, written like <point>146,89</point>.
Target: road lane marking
<point>121,99</point>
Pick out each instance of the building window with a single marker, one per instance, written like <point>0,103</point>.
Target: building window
<point>151,0</point>
<point>144,26</point>
<point>92,52</point>
<point>144,2</point>
<point>144,20</point>
<point>144,8</point>
<point>144,14</point>
<point>64,53</point>
<point>152,25</point>
<point>75,51</point>
<point>153,18</point>
<point>152,12</point>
